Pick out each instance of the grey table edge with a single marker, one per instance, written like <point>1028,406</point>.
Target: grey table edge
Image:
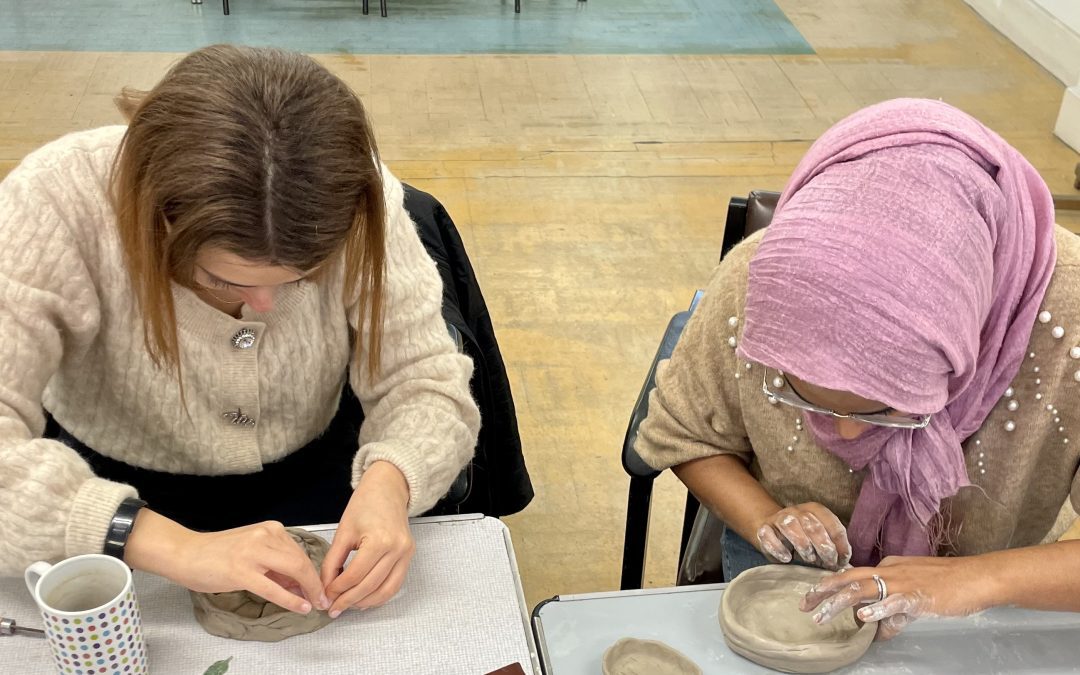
<point>1006,640</point>
<point>537,636</point>
<point>523,606</point>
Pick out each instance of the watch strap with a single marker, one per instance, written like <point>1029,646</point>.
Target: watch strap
<point>121,525</point>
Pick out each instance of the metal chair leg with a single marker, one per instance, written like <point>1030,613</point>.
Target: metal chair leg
<point>225,5</point>
<point>689,515</point>
<point>382,8</point>
<point>365,8</point>
<point>636,538</point>
<point>517,6</point>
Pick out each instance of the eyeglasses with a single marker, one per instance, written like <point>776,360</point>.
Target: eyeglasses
<point>781,391</point>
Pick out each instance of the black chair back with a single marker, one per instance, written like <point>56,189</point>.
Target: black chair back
<point>745,216</point>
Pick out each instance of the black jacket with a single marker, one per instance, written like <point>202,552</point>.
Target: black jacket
<point>500,480</point>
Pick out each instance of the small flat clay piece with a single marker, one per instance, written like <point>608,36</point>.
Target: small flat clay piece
<point>242,615</point>
<point>631,656</point>
<point>761,620</point>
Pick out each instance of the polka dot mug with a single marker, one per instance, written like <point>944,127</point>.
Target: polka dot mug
<point>91,616</point>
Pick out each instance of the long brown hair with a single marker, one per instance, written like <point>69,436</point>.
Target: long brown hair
<point>263,153</point>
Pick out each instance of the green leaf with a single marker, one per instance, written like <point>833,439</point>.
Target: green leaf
<point>219,668</point>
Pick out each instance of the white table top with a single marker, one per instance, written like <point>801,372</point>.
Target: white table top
<point>574,630</point>
<point>461,612</point>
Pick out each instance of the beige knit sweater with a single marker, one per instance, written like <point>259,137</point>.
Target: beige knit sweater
<point>71,339</point>
<point>1022,463</point>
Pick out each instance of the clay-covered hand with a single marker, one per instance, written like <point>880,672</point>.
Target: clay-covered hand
<point>260,558</point>
<point>808,530</point>
<point>916,588</point>
<point>375,525</point>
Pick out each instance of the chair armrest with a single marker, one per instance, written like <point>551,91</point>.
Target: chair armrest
<point>455,334</point>
<point>461,488</point>
<point>632,462</point>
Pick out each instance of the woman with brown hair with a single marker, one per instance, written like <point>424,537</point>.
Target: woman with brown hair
<point>186,297</point>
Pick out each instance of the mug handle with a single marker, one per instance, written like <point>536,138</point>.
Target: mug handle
<point>33,574</point>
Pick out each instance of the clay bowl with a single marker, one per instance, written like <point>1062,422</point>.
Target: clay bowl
<point>631,656</point>
<point>761,621</point>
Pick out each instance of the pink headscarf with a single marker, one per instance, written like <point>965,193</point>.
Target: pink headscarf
<point>906,264</point>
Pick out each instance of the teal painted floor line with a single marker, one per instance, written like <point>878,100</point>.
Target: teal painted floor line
<point>413,27</point>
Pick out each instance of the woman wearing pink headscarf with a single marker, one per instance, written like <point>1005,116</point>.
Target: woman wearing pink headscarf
<point>889,377</point>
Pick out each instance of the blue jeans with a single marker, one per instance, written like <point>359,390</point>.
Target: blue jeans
<point>739,555</point>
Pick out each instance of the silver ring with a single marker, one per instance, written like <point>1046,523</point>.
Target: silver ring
<point>882,589</point>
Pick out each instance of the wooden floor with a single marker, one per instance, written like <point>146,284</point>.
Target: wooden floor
<point>412,26</point>
<point>591,190</point>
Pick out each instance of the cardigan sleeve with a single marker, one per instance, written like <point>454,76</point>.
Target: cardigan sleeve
<point>51,504</point>
<point>419,412</point>
<point>695,410</point>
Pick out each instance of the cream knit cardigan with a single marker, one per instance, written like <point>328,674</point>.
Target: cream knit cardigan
<point>71,340</point>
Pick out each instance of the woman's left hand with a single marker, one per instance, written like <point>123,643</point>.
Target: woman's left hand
<point>375,525</point>
<point>916,588</point>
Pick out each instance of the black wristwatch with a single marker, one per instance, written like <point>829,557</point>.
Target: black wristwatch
<point>120,527</point>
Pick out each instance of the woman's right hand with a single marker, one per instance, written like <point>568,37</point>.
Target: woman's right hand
<point>809,530</point>
<point>260,558</point>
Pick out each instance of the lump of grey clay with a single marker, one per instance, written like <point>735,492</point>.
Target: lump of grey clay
<point>631,656</point>
<point>242,615</point>
<point>761,621</point>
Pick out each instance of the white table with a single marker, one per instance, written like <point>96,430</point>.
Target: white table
<point>572,632</point>
<point>461,612</point>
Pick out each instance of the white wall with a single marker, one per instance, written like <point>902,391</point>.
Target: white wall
<point>1066,11</point>
<point>1049,31</point>
<point>1068,122</point>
